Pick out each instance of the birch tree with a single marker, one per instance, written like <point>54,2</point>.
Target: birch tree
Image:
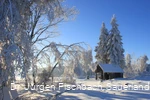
<point>24,24</point>
<point>66,59</point>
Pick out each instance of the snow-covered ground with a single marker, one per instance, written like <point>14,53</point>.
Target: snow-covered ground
<point>122,88</point>
<point>129,89</point>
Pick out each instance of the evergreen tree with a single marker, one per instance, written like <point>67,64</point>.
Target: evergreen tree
<point>101,48</point>
<point>114,45</point>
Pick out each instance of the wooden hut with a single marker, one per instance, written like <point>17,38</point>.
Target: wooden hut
<point>108,71</point>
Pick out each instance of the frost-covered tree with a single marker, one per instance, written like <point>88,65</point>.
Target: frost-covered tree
<point>22,26</point>
<point>135,67</point>
<point>143,63</point>
<point>139,65</point>
<point>10,25</point>
<point>101,49</point>
<point>114,45</point>
<point>52,12</point>
<point>86,61</point>
<point>93,67</point>
<point>128,60</point>
<point>78,69</point>
<point>129,68</point>
<point>66,57</point>
<point>69,73</point>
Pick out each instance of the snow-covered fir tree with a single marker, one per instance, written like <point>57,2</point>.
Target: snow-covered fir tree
<point>115,49</point>
<point>101,48</point>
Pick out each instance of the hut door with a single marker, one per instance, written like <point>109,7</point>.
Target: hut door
<point>106,76</point>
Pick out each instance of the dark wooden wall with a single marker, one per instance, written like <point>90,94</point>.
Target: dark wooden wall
<point>105,76</point>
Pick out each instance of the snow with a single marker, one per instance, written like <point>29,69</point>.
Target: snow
<point>8,94</point>
<point>111,68</point>
<point>109,90</point>
<point>107,94</point>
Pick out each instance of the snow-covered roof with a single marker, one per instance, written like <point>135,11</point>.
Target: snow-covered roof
<point>111,68</point>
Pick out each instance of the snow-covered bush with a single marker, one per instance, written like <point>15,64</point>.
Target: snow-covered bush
<point>135,67</point>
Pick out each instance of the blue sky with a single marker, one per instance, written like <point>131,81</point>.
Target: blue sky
<point>133,17</point>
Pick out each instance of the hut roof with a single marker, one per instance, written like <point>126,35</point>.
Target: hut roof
<point>111,68</point>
